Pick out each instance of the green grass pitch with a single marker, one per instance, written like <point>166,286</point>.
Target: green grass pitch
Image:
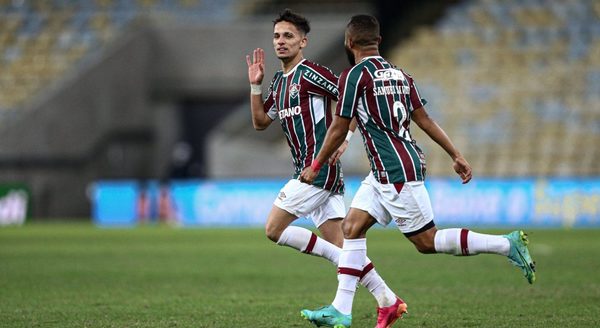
<point>77,275</point>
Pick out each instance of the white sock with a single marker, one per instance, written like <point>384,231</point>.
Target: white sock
<point>350,269</point>
<point>306,241</point>
<point>464,242</point>
<point>374,283</point>
<point>300,239</point>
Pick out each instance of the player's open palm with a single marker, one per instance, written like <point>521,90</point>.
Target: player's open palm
<point>463,169</point>
<point>256,66</point>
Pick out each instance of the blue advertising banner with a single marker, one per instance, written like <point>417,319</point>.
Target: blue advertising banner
<point>482,202</point>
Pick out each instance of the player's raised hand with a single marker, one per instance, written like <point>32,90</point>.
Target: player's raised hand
<point>338,153</point>
<point>463,169</point>
<point>256,66</point>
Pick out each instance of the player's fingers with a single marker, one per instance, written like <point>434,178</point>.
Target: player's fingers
<point>334,158</point>
<point>466,177</point>
<point>261,55</point>
<point>248,60</point>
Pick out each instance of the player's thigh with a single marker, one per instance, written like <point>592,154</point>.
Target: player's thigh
<point>300,199</point>
<point>277,221</point>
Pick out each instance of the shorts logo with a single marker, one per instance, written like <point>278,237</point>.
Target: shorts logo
<point>294,90</point>
<point>401,222</point>
<point>281,195</point>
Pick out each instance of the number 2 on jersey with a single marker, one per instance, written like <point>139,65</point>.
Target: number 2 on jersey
<point>401,114</point>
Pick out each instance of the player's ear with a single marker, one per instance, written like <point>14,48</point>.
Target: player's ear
<point>303,42</point>
<point>350,43</point>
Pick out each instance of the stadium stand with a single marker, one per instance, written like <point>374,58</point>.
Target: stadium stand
<point>40,40</point>
<point>515,83</point>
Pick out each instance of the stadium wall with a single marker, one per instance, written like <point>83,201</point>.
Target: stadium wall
<point>542,203</point>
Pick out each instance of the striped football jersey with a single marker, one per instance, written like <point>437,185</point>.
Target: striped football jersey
<point>301,99</point>
<point>382,97</point>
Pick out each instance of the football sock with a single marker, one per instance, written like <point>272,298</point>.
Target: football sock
<point>464,242</point>
<point>306,241</point>
<point>375,284</point>
<point>302,239</point>
<point>350,268</point>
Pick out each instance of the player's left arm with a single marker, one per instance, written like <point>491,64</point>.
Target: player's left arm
<point>333,139</point>
<point>437,134</point>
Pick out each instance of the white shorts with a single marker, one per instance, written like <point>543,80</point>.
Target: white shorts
<point>304,200</point>
<point>410,208</point>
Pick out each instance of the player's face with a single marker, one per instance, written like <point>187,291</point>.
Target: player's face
<point>288,41</point>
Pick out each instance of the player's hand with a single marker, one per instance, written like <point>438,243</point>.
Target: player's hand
<point>463,169</point>
<point>338,153</point>
<point>308,175</point>
<point>256,66</point>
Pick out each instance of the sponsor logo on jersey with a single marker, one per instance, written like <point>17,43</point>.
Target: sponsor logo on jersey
<point>281,195</point>
<point>388,74</point>
<point>289,112</point>
<point>320,81</point>
<point>294,90</point>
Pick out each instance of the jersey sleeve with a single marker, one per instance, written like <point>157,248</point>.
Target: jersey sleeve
<point>269,104</point>
<point>350,92</point>
<point>323,80</point>
<point>416,101</point>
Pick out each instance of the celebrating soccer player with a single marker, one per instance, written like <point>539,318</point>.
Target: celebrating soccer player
<point>384,100</point>
<point>300,95</point>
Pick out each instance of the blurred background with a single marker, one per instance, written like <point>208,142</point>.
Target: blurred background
<point>133,111</point>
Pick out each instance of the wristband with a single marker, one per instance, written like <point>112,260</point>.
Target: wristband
<point>349,135</point>
<point>256,89</point>
<point>316,166</point>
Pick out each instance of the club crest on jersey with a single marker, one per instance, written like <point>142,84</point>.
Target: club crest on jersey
<point>294,90</point>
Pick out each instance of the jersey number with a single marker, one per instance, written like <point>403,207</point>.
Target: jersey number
<point>401,114</point>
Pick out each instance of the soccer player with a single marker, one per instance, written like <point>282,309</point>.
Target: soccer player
<point>384,100</point>
<point>300,95</point>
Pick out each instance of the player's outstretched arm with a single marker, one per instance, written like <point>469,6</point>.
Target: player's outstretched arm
<point>256,73</point>
<point>333,139</point>
<point>342,148</point>
<point>437,134</point>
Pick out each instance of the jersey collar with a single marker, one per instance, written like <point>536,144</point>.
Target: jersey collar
<point>294,69</point>
<point>369,57</point>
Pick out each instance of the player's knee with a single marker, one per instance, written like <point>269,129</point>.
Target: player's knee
<point>425,247</point>
<point>272,233</point>
<point>350,230</point>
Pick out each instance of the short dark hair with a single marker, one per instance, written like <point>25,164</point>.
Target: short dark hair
<point>299,21</point>
<point>364,30</point>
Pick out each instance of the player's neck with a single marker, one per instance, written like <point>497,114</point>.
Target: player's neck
<point>288,65</point>
<point>364,53</point>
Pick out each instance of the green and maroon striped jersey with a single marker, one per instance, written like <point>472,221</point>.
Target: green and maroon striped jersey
<point>382,97</point>
<point>301,99</point>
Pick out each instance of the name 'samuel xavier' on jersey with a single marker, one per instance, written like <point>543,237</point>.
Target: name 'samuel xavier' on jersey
<point>382,97</point>
<point>301,99</point>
